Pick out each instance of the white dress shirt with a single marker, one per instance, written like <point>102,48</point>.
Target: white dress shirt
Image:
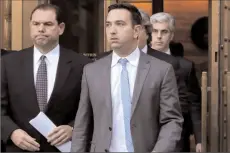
<point>145,49</point>
<point>168,52</point>
<point>51,60</point>
<point>118,143</point>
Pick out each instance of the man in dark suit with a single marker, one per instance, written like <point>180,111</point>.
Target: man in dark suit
<point>193,118</point>
<point>45,77</point>
<point>4,52</point>
<point>163,31</point>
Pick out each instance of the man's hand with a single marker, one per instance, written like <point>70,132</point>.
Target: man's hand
<point>22,140</point>
<point>60,135</point>
<point>198,147</point>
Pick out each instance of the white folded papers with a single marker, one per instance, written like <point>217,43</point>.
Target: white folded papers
<point>45,126</point>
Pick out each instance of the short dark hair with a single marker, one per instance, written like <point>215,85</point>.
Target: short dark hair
<point>57,10</point>
<point>149,40</point>
<point>176,48</point>
<point>135,14</point>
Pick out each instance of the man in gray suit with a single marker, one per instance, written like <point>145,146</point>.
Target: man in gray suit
<point>130,97</point>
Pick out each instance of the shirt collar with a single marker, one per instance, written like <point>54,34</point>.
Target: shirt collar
<point>145,49</point>
<point>168,51</point>
<point>133,58</point>
<point>49,56</point>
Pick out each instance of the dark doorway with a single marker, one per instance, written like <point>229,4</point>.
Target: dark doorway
<point>82,33</point>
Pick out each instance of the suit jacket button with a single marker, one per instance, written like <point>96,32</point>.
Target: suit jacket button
<point>110,129</point>
<point>133,126</point>
<point>106,150</point>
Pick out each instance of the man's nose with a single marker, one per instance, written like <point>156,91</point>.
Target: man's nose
<point>113,29</point>
<point>41,28</point>
<point>159,35</point>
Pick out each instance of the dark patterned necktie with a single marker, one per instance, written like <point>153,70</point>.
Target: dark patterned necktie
<point>41,84</point>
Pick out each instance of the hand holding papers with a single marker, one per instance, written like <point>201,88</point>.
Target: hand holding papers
<point>45,126</point>
<point>60,135</point>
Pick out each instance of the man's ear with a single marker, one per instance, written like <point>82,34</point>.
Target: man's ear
<point>137,30</point>
<point>61,28</point>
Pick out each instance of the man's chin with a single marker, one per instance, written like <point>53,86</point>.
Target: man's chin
<point>157,48</point>
<point>115,46</point>
<point>41,43</point>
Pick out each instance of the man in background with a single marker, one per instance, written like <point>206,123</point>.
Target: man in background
<point>144,43</point>
<point>163,32</point>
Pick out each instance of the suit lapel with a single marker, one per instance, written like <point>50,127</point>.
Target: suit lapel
<point>106,83</point>
<point>28,78</point>
<point>151,51</point>
<point>63,70</point>
<point>148,50</point>
<point>142,71</point>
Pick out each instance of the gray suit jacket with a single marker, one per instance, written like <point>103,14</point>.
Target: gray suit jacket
<point>156,121</point>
